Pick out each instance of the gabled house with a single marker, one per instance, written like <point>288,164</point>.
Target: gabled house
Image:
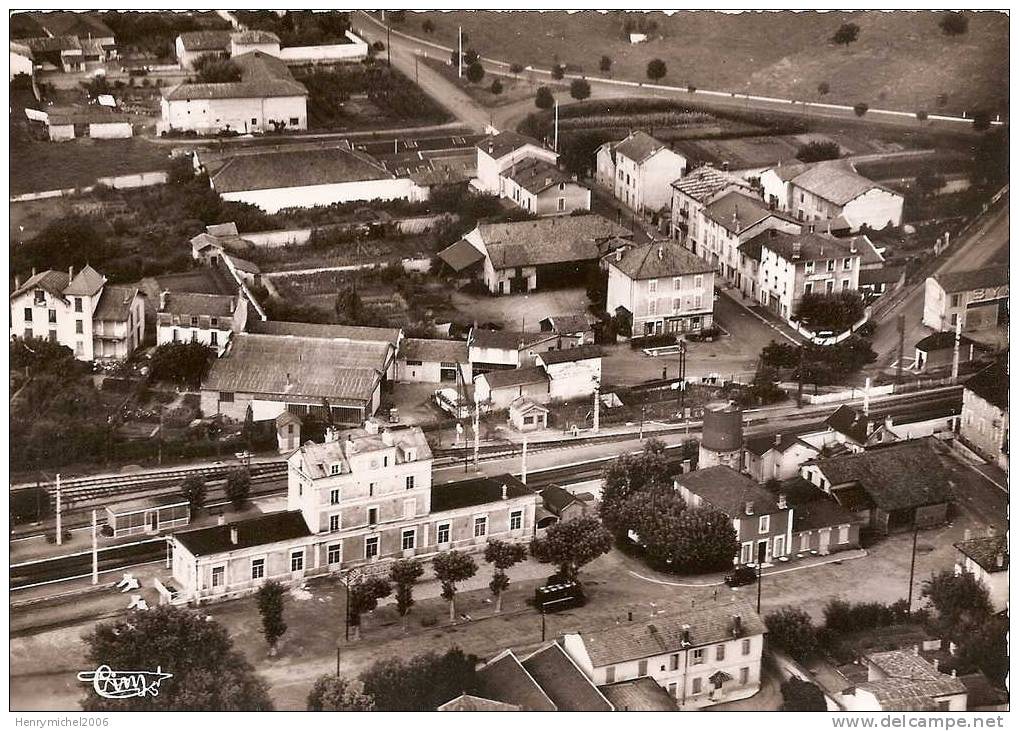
<point>644,169</point>
<point>498,153</point>
<point>423,360</point>
<point>660,287</point>
<point>829,190</point>
<point>573,328</point>
<point>900,680</point>
<point>937,351</point>
<point>564,504</point>
<point>763,522</point>
<point>703,656</point>
<point>498,389</point>
<point>80,311</point>
<point>986,557</point>
<point>984,421</point>
<point>695,190</point>
<point>539,187</point>
<point>977,297</point>
<point>492,350</point>
<point>572,372</point>
<point>193,45</point>
<point>776,457</point>
<point>209,319</point>
<point>821,525</point>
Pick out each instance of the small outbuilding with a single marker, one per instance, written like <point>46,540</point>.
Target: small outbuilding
<point>288,432</point>
<point>148,515</point>
<point>526,415</point>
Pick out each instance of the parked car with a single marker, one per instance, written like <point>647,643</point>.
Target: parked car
<point>448,400</point>
<point>741,576</point>
<point>558,594</point>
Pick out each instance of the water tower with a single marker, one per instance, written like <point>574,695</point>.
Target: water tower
<point>722,438</point>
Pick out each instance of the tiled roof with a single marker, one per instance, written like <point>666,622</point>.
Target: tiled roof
<point>962,281</point>
<point>535,175</point>
<point>222,229</point>
<point>461,255</point>
<point>639,146</point>
<point>338,370</point>
<point>868,252</point>
<point>812,246</point>
<point>708,624</point>
<point>742,153</point>
<point>569,323</point>
<point>570,355</point>
<point>986,550</point>
<point>115,303</point>
<point>881,275</point>
<point>824,512</point>
<point>478,491</point>
<point>316,457</point>
<point>524,405</point>
<point>706,181</point>
<point>85,283</point>
<point>84,115</point>
<point>53,44</point>
<point>896,477</point>
<point>515,377</point>
<point>942,341</point>
<point>833,180</point>
<point>260,531</point>
<point>206,40</point>
<point>552,240</point>
<point>505,679</point>
<point>847,420</point>
<point>254,36</point>
<point>991,384</point>
<point>727,490</point>
<point>502,144</point>
<point>467,702</point>
<point>187,303</point>
<point>659,259</point>
<point>736,211</point>
<point>508,339</point>
<point>262,76</point>
<point>49,280</point>
<point>556,498</point>
<point>433,351</point>
<point>639,694</point>
<point>563,682</point>
<point>242,264</point>
<point>328,332</point>
<point>760,445</point>
<point>82,25</point>
<point>295,168</point>
<point>912,681</point>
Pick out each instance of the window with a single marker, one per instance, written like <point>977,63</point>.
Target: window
<point>698,657</point>
<point>79,327</point>
<point>254,121</point>
<point>257,568</point>
<point>746,646</point>
<point>77,304</point>
<point>218,576</point>
<point>442,533</point>
<point>297,560</point>
<point>809,267</point>
<point>28,314</point>
<point>480,527</point>
<point>294,121</point>
<point>847,264</point>
<point>334,497</point>
<point>371,547</point>
<point>373,516</point>
<point>808,288</point>
<point>385,460</point>
<point>955,321</point>
<point>409,508</point>
<point>53,316</point>
<point>412,362</point>
<point>677,283</point>
<point>698,302</point>
<point>410,482</point>
<point>407,540</point>
<point>719,652</point>
<point>652,285</point>
<point>956,300</point>
<point>698,281</point>
<point>560,204</point>
<point>652,306</point>
<point>334,523</point>
<point>843,534</point>
<point>333,554</point>
<point>516,519</point>
<point>845,285</point>
<point>674,661</point>
<point>28,333</point>
<point>763,524</point>
<point>371,489</point>
<point>610,674</point>
<point>805,541</point>
<point>830,265</point>
<point>695,686</point>
<point>53,336</point>
<point>744,676</point>
<point>334,469</point>
<point>677,304</point>
<point>194,321</point>
<point>40,297</point>
<point>641,668</point>
<point>214,321</point>
<point>226,397</point>
<point>214,338</point>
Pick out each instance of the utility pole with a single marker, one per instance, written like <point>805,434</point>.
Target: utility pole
<point>555,142</point>
<point>866,397</point>
<point>60,532</point>
<point>799,382</point>
<point>95,550</point>
<point>389,45</point>
<point>597,409</point>
<point>955,351</point>
<point>460,52</point>
<point>912,567</point>
<point>641,435</point>
<point>762,549</point>
<point>523,462</point>
<point>477,433</point>
<point>902,342</point>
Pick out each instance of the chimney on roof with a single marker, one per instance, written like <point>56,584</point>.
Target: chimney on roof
<point>288,379</point>
<point>162,299</point>
<point>810,230</point>
<point>619,254</point>
<point>852,245</point>
<point>505,491</point>
<point>797,249</point>
<point>387,437</point>
<point>748,507</point>
<point>548,181</point>
<point>954,672</point>
<point>491,148</point>
<point>70,273</point>
<point>936,663</point>
<point>685,642</point>
<point>737,625</point>
<point>371,426</point>
<point>33,271</point>
<point>782,504</point>
<point>233,535</point>
<point>778,439</point>
<point>990,531</point>
<point>332,434</point>
<point>17,282</point>
<point>967,534</point>
<point>916,650</point>
<point>999,560</point>
<point>661,252</point>
<point>629,616</point>
<point>221,520</point>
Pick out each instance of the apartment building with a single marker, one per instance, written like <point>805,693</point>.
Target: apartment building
<point>644,169</point>
<point>697,189</point>
<point>977,297</point>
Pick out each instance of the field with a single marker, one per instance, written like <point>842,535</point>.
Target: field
<point>36,166</point>
<point>901,60</point>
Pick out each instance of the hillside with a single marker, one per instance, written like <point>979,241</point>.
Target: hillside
<point>900,61</point>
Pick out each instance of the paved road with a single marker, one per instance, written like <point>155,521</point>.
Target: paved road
<point>984,244</point>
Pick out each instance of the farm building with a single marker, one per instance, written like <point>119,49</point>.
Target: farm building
<point>498,389</point>
<point>937,350</point>
<point>491,350</point>
<point>433,361</point>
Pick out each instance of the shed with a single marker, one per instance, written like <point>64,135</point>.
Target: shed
<point>288,432</point>
<point>526,415</point>
<point>148,515</point>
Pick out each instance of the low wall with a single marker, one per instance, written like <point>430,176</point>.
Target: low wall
<point>848,395</point>
<point>301,236</point>
<point>135,180</point>
<point>356,50</point>
<point>110,131</point>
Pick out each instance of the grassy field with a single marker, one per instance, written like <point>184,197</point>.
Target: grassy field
<point>901,60</point>
<point>36,166</point>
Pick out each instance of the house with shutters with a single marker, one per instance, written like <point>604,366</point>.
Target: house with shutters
<point>776,457</point>
<point>986,557</point>
<point>642,170</point>
<point>904,681</point>
<point>976,297</point>
<point>498,153</point>
<point>81,311</point>
<point>697,189</point>
<point>209,319</point>
<point>539,187</point>
<point>705,655</point>
<point>983,425</point>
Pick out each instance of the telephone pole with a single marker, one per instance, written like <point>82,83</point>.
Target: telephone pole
<point>460,52</point>
<point>902,345</point>
<point>60,532</point>
<point>95,551</point>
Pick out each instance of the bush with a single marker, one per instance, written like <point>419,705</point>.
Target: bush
<point>605,64</point>
<point>846,34</point>
<point>475,72</point>
<point>558,72</point>
<point>921,115</point>
<point>580,89</point>
<point>691,88</point>
<point>860,109</point>
<point>496,87</point>
<point>954,23</point>
<point>823,88</point>
<point>653,341</point>
<point>817,150</point>
<point>378,46</point>
<point>981,120</point>
<point>106,531</point>
<point>238,487</point>
<point>543,98</point>
<point>182,363</point>
<point>836,311</point>
<point>52,537</point>
<point>792,630</point>
<point>516,68</point>
<point>799,695</point>
<point>210,69</point>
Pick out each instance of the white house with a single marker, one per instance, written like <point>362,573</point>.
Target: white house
<point>80,311</point>
<point>660,287</point>
<point>832,190</point>
<point>246,41</point>
<point>266,99</point>
<point>984,420</point>
<point>573,372</point>
<point>644,171</point>
<point>704,656</point>
<point>21,60</point>
<point>499,152</point>
<point>695,190</point>
<point>193,45</point>
<point>541,188</point>
<point>986,557</point>
<point>433,361</point>
<point>492,350</point>
<point>902,680</point>
<point>978,296</point>
<point>209,319</point>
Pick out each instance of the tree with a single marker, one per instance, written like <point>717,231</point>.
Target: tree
<point>954,23</point>
<point>558,72</point>
<point>655,515</point>
<point>860,108</point>
<point>475,72</point>
<point>580,89</point>
<point>516,68</point>
<point>981,120</point>
<point>571,544</point>
<point>210,69</point>
<point>656,69</point>
<point>704,540</point>
<point>184,364</point>
<point>428,26</point>
<point>627,475</point>
<point>496,87</point>
<point>270,606</point>
<point>985,646</point>
<point>67,241</point>
<point>333,693</point>
<point>208,674</point>
<point>823,88</point>
<point>605,64</point>
<point>404,573</point>
<point>846,34</point>
<point>422,683</point>
<point>238,487</point>
<point>543,98</point>
<point>818,150</point>
<point>792,630</point>
<point>364,596</point>
<point>193,488</point>
<point>836,311</point>
<point>452,568</point>
<point>921,115</point>
<point>471,56</point>
<point>502,555</point>
<point>800,695</point>
<point>961,601</point>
